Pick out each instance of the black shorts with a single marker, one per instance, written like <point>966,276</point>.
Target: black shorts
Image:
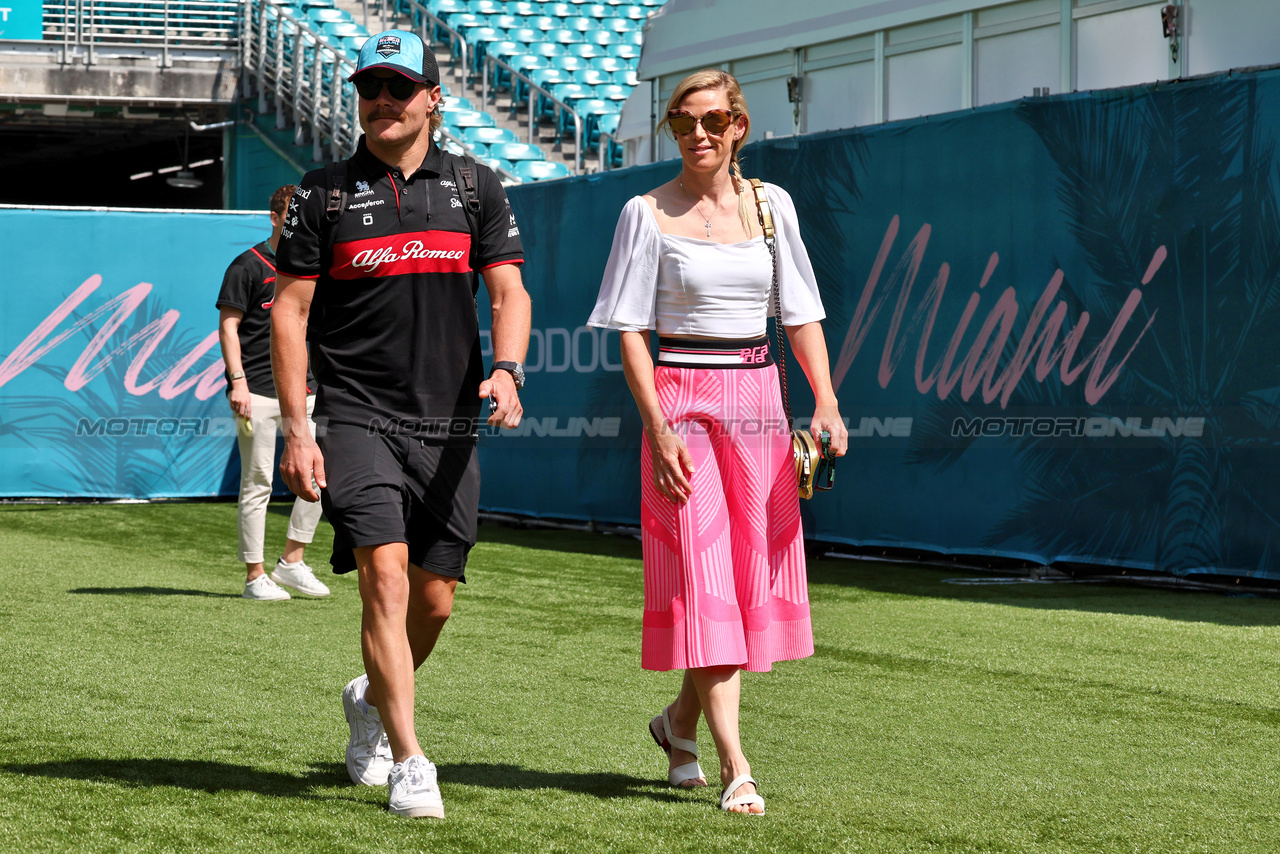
<point>395,489</point>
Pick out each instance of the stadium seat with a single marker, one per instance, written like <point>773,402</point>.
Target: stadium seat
<point>533,170</point>
<point>563,36</point>
<point>568,62</point>
<point>515,151</point>
<point>634,37</point>
<point>458,103</point>
<point>618,26</point>
<point>525,35</point>
<point>592,77</point>
<point>579,24</point>
<point>443,8</point>
<point>496,163</point>
<point>468,119</point>
<point>524,9</point>
<point>558,10</point>
<point>320,15</point>
<point>487,7</point>
<point>636,13</point>
<point>547,49</point>
<point>487,136</point>
<point>506,22</point>
<point>543,23</point>
<point>626,77</point>
<point>613,150</point>
<point>608,64</point>
<point>595,10</point>
<point>601,38</point>
<point>625,50</point>
<point>583,50</point>
<point>613,92</point>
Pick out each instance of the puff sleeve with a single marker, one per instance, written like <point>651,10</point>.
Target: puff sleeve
<point>797,286</point>
<point>628,292</point>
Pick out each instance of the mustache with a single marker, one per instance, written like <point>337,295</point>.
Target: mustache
<point>382,113</point>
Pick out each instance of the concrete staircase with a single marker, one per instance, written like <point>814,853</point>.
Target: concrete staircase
<point>499,106</point>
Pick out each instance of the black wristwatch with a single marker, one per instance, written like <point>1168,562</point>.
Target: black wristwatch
<point>514,368</point>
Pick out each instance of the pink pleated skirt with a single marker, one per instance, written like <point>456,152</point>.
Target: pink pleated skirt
<point>724,574</point>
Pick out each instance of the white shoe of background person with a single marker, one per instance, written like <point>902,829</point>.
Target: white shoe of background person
<point>298,576</point>
<point>263,589</point>
<point>414,792</point>
<point>368,751</point>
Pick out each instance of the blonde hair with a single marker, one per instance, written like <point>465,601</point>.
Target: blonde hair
<point>714,78</point>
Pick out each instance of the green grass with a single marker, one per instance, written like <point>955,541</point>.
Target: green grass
<point>147,707</point>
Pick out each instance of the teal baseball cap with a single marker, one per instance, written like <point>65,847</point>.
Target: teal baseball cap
<point>401,52</point>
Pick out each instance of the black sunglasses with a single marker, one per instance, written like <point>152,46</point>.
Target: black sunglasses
<point>825,478</point>
<point>369,86</point>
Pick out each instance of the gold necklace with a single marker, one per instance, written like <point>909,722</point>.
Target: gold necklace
<point>696,206</point>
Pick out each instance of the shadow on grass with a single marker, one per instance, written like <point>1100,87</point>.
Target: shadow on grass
<point>195,774</point>
<point>931,582</point>
<point>600,785</point>
<point>214,777</point>
<point>151,591</point>
<point>581,542</point>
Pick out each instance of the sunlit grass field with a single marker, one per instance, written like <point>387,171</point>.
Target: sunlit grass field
<point>147,707</point>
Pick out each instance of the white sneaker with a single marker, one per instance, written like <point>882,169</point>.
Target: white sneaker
<point>414,792</point>
<point>368,752</point>
<point>298,576</point>
<point>264,589</point>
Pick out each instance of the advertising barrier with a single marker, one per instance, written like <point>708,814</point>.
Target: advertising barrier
<point>1053,331</point>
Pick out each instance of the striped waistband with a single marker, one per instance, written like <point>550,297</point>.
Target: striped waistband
<point>687,353</point>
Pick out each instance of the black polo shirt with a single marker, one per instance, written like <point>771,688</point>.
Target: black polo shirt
<point>249,285</point>
<point>395,341</point>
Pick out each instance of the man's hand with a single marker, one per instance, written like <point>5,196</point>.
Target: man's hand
<point>503,387</point>
<point>239,399</point>
<point>300,465</point>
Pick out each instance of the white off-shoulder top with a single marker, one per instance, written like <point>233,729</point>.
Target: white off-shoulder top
<point>687,286</point>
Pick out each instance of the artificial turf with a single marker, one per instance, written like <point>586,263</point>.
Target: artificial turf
<point>147,707</point>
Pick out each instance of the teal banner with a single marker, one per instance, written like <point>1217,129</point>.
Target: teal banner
<point>1054,329</point>
<point>22,19</point>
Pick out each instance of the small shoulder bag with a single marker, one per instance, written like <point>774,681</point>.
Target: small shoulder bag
<point>808,457</point>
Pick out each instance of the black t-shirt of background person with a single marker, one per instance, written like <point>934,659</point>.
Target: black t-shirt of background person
<point>394,335</point>
<point>250,286</point>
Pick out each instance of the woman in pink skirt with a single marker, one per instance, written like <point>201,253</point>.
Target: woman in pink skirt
<point>724,570</point>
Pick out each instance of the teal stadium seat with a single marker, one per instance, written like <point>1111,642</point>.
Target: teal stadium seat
<point>468,119</point>
<point>584,50</point>
<point>613,150</point>
<point>532,170</point>
<point>608,64</point>
<point>487,7</point>
<point>579,24</point>
<point>525,35</point>
<point>626,77</point>
<point>487,136</point>
<point>497,163</point>
<point>595,10</point>
<point>592,77</point>
<point>602,37</point>
<point>564,35</point>
<point>516,151</point>
<point>547,49</point>
<point>625,50</point>
<point>568,62</point>
<point>543,23</point>
<point>458,103</point>
<point>558,10</point>
<point>524,9</point>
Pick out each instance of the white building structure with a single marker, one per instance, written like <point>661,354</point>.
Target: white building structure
<point>815,65</point>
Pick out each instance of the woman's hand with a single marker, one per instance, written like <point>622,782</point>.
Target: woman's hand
<point>672,463</point>
<point>828,418</point>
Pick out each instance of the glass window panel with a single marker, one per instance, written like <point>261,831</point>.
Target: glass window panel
<point>924,82</point>
<point>841,97</point>
<point>1121,49</point>
<point>1011,66</point>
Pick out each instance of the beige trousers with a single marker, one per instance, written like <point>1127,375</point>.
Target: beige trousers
<point>257,468</point>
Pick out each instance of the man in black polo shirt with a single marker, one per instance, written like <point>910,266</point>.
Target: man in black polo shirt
<point>386,294</point>
<point>244,331</point>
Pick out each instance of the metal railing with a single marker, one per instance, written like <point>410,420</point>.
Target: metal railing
<point>533,108</point>
<point>302,74</point>
<point>143,28</point>
<point>607,141</point>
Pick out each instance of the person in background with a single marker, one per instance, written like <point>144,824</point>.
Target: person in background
<point>244,331</point>
<point>724,567</point>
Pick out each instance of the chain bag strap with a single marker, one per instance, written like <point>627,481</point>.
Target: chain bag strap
<point>804,449</point>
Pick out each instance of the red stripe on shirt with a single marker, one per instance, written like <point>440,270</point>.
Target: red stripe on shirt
<point>403,254</point>
<point>264,260</point>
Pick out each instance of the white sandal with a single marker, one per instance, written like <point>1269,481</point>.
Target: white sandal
<point>727,803</point>
<point>660,729</point>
